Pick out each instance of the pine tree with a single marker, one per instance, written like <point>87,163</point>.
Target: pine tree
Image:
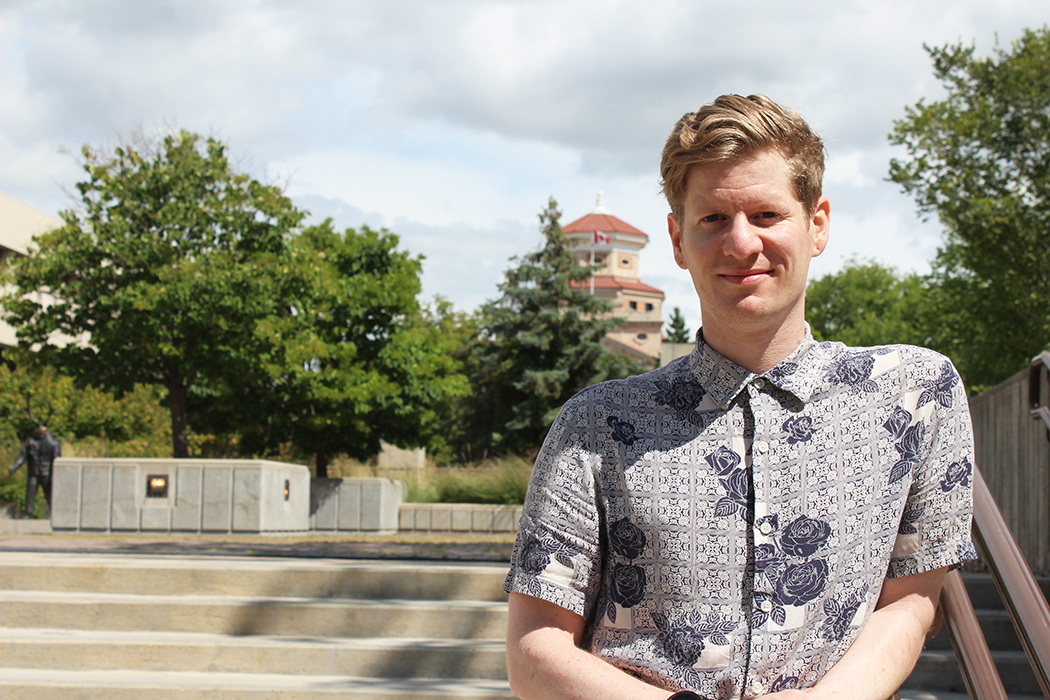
<point>540,343</point>
<point>678,333</point>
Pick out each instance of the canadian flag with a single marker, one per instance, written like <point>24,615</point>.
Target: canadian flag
<point>600,237</point>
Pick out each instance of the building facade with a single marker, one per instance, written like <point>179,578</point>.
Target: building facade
<point>601,239</point>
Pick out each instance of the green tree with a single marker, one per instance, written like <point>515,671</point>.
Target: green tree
<point>351,361</point>
<point>678,333</point>
<point>161,274</point>
<point>980,160</point>
<point>868,304</point>
<point>538,344</point>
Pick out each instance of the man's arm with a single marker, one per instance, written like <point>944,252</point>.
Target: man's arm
<point>545,662</point>
<point>884,653</point>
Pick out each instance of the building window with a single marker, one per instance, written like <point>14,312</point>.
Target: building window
<point>648,307</point>
<point>634,305</point>
<point>625,262</point>
<point>642,336</point>
<point>598,259</point>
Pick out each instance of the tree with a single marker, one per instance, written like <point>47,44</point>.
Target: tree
<point>538,345</point>
<point>980,160</point>
<point>868,304</point>
<point>163,274</point>
<point>678,331</point>
<point>353,361</point>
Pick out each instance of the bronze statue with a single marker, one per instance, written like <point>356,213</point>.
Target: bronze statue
<point>38,451</point>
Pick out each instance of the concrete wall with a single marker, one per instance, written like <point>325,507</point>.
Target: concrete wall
<point>201,495</point>
<point>362,504</point>
<point>458,517</point>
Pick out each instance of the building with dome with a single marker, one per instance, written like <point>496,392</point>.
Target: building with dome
<point>601,239</point>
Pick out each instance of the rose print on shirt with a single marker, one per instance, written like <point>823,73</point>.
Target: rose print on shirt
<point>909,448</point>
<point>536,555</point>
<point>626,538</point>
<point>683,641</point>
<point>622,431</point>
<point>941,389</point>
<point>798,429</point>
<point>801,583</point>
<point>838,617</point>
<point>804,536</point>
<point>723,460</point>
<point>784,562</point>
<point>898,422</point>
<point>681,396</point>
<point>735,499</point>
<point>854,370</point>
<point>958,473</point>
<point>911,515</point>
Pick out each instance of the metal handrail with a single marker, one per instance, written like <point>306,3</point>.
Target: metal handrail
<point>1013,578</point>
<point>1035,371</point>
<point>975,660</point>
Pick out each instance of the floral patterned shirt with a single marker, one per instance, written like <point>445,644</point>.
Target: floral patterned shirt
<point>728,533</point>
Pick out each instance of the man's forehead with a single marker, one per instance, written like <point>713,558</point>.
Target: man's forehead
<point>766,171</point>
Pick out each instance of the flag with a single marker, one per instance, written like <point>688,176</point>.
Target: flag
<point>600,237</point>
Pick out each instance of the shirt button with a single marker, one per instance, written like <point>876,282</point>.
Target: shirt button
<point>765,528</point>
<point>756,688</point>
<point>762,446</point>
<point>766,605</point>
<point>759,383</point>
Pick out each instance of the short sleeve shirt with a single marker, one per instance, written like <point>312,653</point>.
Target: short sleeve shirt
<point>728,533</point>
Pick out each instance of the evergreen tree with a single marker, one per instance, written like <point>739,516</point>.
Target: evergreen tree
<point>678,333</point>
<point>538,344</point>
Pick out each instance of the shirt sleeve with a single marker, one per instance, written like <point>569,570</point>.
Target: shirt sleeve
<point>934,529</point>
<point>557,554</point>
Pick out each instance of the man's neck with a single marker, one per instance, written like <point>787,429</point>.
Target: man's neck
<point>759,350</point>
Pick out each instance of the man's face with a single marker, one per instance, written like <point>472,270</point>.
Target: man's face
<point>747,242</point>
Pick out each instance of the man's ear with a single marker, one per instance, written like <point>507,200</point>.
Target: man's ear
<point>676,240</point>
<point>820,225</point>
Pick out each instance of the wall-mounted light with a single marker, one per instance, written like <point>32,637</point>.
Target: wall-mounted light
<point>287,488</point>
<point>157,486</point>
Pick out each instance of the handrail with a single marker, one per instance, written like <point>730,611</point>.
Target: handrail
<point>1035,406</point>
<point>975,660</point>
<point>1013,578</point>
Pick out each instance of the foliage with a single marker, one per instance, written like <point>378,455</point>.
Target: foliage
<point>351,360</point>
<point>868,304</point>
<point>538,345</point>
<point>502,481</point>
<point>163,274</point>
<point>677,332</point>
<point>980,160</point>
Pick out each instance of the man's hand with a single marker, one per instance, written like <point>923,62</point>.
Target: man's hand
<point>545,662</point>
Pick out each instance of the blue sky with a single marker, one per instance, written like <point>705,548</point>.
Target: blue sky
<point>452,122</point>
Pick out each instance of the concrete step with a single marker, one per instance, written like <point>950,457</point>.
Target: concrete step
<point>985,596</point>
<point>998,631</point>
<point>246,576</point>
<point>246,615</point>
<point>938,670</point>
<point>49,684</point>
<point>376,657</point>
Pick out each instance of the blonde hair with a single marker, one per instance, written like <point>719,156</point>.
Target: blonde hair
<point>734,127</point>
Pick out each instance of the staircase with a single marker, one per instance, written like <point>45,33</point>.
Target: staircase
<point>125,627</point>
<point>938,670</point>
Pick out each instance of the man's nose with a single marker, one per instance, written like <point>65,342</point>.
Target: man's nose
<point>742,239</point>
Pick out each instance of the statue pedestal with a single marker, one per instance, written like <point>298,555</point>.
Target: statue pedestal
<point>179,495</point>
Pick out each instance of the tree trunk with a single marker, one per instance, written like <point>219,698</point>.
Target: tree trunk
<point>321,462</point>
<point>180,448</point>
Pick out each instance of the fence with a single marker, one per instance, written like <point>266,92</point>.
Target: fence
<point>1013,454</point>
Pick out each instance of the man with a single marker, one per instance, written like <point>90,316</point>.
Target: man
<point>39,452</point>
<point>768,515</point>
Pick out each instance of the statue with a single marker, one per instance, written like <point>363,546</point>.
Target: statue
<point>39,452</point>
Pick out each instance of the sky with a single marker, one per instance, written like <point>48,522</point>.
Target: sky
<point>451,123</point>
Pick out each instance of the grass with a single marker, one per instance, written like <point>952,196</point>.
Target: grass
<point>500,481</point>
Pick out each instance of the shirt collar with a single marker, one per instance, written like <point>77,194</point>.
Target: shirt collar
<point>723,379</point>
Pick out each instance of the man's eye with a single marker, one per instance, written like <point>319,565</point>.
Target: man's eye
<point>711,218</point>
<point>768,215</point>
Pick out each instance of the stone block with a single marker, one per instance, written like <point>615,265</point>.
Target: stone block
<point>189,496</point>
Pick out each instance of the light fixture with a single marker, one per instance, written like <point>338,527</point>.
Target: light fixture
<point>157,486</point>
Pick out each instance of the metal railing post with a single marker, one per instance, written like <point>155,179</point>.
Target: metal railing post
<point>971,649</point>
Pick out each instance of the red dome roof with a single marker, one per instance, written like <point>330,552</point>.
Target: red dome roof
<point>605,223</point>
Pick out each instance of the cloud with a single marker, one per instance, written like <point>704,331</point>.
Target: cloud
<point>453,122</point>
